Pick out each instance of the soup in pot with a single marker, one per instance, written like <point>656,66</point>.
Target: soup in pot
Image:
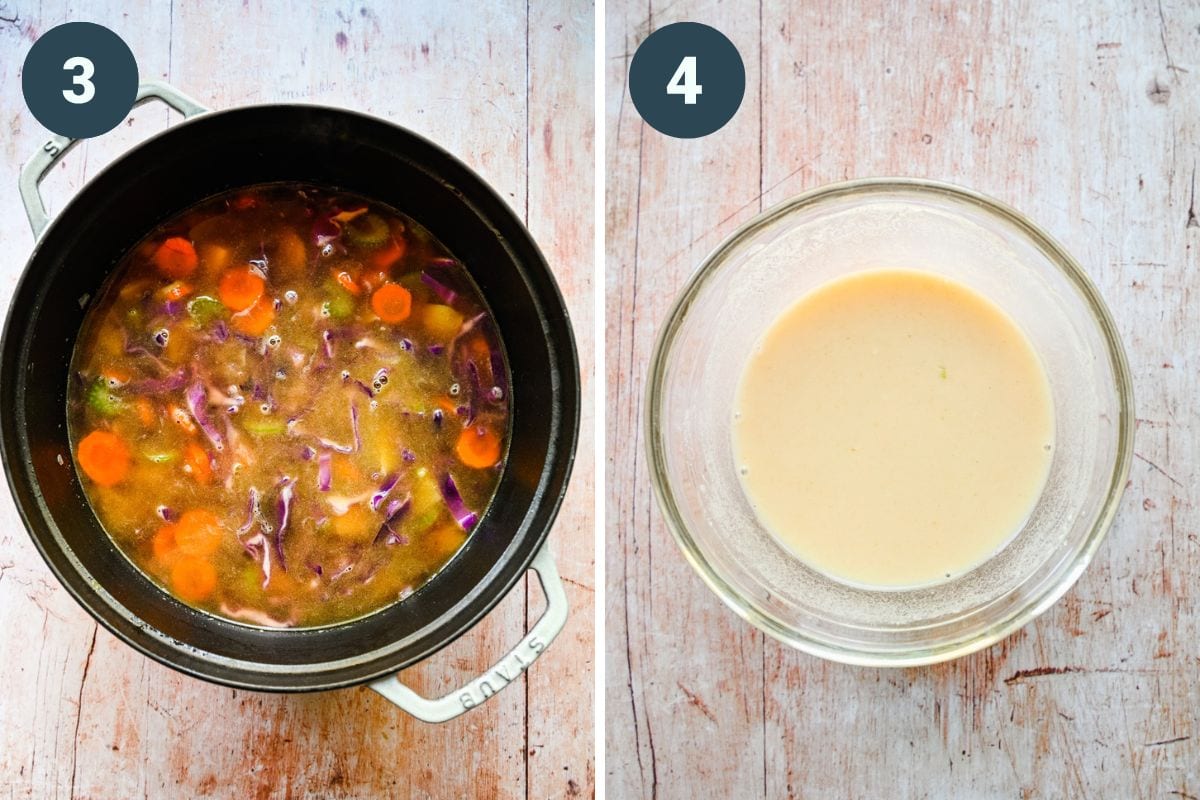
<point>289,406</point>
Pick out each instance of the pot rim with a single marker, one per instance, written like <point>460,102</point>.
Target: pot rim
<point>496,584</point>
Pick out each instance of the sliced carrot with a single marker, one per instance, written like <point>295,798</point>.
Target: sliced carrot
<point>282,584</point>
<point>445,540</point>
<point>104,457</point>
<point>145,412</point>
<point>256,319</point>
<point>198,533</point>
<point>388,255</point>
<point>193,579</point>
<point>357,524</point>
<point>345,474</point>
<point>478,447</point>
<point>392,303</point>
<point>177,290</point>
<point>164,544</point>
<point>347,282</point>
<point>195,459</point>
<point>176,258</point>
<point>239,288</point>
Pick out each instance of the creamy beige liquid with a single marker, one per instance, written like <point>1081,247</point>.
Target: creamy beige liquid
<point>893,428</point>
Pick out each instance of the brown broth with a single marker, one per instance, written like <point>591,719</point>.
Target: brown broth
<point>293,463</point>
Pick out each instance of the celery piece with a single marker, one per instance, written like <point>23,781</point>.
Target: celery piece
<point>205,309</point>
<point>102,400</point>
<point>264,426</point>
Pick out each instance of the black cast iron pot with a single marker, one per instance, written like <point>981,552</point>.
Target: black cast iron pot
<point>211,153</point>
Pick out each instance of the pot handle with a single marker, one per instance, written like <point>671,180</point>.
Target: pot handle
<point>57,146</point>
<point>504,671</point>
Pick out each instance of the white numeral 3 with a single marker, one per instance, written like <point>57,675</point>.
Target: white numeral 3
<point>86,89</point>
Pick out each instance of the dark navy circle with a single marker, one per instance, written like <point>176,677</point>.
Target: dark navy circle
<point>80,79</point>
<point>687,80</point>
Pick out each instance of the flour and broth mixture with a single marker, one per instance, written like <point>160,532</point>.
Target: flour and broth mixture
<point>893,428</point>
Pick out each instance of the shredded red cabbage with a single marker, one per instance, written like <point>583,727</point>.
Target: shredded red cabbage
<point>462,515</point>
<point>171,383</point>
<point>464,329</point>
<point>395,512</point>
<point>447,295</point>
<point>283,507</point>
<point>332,445</point>
<point>388,483</point>
<point>139,350</point>
<point>252,514</point>
<point>354,426</point>
<point>197,403</point>
<point>324,475</point>
<point>258,549</point>
<point>499,378</point>
<point>473,397</point>
<point>394,505</point>
<point>325,230</point>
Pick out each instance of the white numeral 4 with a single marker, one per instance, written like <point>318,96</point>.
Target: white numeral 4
<point>684,81</point>
<point>86,89</point>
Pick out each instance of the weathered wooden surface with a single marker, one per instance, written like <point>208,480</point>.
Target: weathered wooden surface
<point>1087,117</point>
<point>509,90</point>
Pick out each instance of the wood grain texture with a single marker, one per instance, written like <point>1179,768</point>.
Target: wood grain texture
<point>507,89</point>
<point>1086,117</point>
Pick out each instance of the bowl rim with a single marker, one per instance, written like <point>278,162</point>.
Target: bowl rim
<point>970,641</point>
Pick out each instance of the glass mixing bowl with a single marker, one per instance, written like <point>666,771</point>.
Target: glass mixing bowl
<point>762,269</point>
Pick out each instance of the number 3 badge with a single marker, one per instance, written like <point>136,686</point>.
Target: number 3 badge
<point>79,80</point>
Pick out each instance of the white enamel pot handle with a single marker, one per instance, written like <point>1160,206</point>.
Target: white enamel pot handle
<point>504,671</point>
<point>56,147</point>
